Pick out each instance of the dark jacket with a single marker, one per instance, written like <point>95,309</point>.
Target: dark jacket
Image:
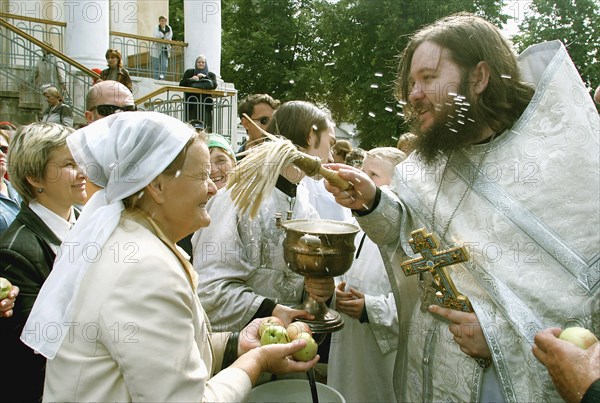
<point>124,77</point>
<point>25,260</point>
<point>189,73</point>
<point>198,106</point>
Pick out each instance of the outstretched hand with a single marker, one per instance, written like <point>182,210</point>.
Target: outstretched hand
<point>277,358</point>
<point>362,194</point>
<point>287,314</point>
<point>273,358</point>
<point>571,368</point>
<point>466,330</point>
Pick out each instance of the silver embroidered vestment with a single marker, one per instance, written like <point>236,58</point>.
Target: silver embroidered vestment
<point>531,223</point>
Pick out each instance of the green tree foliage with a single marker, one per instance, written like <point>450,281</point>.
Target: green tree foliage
<point>176,20</point>
<point>339,54</point>
<point>272,47</point>
<point>575,22</point>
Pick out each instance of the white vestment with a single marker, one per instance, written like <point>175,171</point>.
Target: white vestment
<point>362,355</point>
<point>324,202</point>
<point>531,224</point>
<point>240,262</point>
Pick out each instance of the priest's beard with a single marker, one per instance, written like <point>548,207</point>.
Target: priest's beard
<point>455,126</point>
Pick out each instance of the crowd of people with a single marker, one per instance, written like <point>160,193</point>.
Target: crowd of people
<point>136,277</point>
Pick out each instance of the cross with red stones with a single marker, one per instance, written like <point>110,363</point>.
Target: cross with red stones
<point>435,262</point>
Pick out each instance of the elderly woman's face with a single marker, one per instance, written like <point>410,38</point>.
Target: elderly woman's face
<point>63,182</point>
<point>200,63</point>
<point>52,100</point>
<point>187,193</point>
<point>220,166</point>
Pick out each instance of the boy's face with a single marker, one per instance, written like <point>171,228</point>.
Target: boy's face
<point>379,170</point>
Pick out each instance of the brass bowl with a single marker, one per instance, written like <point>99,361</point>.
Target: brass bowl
<point>319,248</point>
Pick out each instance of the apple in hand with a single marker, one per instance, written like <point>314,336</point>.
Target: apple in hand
<point>579,336</point>
<point>309,351</point>
<point>269,321</point>
<point>274,334</point>
<point>5,288</point>
<point>295,328</point>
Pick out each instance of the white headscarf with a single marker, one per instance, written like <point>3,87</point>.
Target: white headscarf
<point>122,153</point>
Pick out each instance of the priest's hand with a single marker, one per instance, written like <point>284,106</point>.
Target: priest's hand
<point>466,330</point>
<point>362,194</point>
<point>351,302</point>
<point>571,368</point>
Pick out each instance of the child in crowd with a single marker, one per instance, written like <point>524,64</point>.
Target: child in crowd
<point>365,300</point>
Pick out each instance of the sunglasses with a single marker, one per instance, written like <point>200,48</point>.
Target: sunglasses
<point>4,149</point>
<point>263,121</point>
<point>107,110</point>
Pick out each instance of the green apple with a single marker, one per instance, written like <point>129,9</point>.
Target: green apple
<point>274,334</point>
<point>5,288</point>
<point>269,321</point>
<point>309,351</point>
<point>297,327</point>
<point>579,336</point>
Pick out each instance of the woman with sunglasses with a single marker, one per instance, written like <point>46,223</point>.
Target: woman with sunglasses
<point>10,200</point>
<point>49,181</point>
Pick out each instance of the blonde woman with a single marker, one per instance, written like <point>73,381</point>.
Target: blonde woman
<point>49,181</point>
<point>57,111</point>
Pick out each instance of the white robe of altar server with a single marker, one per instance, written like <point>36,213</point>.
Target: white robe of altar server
<point>531,224</point>
<point>240,262</point>
<point>362,355</point>
<point>324,202</point>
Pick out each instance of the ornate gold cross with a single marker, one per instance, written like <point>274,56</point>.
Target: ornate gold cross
<point>435,262</point>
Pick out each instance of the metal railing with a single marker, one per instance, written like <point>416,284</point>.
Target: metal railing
<point>140,55</point>
<point>24,56</point>
<point>47,31</point>
<point>214,107</point>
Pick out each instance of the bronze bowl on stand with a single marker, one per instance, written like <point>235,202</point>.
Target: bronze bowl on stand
<point>319,248</point>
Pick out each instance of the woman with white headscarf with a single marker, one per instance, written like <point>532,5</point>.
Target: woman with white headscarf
<point>119,318</point>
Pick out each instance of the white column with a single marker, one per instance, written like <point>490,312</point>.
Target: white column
<point>87,36</point>
<point>124,16</point>
<point>203,33</point>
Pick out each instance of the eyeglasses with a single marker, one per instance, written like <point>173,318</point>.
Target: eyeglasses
<point>4,149</point>
<point>107,110</point>
<point>263,121</point>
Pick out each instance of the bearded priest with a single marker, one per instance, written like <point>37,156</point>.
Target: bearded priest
<point>504,183</point>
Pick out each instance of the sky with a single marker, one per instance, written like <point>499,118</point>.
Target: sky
<point>516,9</point>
